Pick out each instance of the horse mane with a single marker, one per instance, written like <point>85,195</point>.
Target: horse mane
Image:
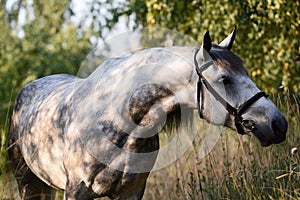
<point>180,118</point>
<point>224,58</point>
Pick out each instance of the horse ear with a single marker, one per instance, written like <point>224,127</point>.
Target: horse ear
<point>205,48</point>
<point>207,41</point>
<point>228,42</point>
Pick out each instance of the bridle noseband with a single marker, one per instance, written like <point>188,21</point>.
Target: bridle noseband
<point>243,126</point>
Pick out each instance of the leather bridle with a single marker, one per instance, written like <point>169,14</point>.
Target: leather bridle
<point>242,126</point>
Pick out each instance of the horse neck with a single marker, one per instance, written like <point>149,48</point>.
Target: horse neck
<point>144,87</point>
<point>159,80</point>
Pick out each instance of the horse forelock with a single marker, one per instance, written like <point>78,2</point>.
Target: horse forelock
<point>224,58</point>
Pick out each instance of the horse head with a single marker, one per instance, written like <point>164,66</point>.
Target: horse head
<point>227,96</point>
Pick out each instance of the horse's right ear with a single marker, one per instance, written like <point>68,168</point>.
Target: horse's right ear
<point>205,48</point>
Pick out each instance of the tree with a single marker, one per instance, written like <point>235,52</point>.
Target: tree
<point>47,42</point>
<point>267,39</point>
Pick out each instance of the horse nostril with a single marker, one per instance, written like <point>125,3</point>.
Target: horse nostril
<point>279,127</point>
<point>249,124</point>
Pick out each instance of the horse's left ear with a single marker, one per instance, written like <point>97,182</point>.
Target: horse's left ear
<point>228,42</point>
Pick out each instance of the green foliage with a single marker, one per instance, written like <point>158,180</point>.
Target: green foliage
<point>46,43</point>
<point>267,39</point>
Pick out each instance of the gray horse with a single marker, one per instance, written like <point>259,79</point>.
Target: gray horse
<point>98,136</point>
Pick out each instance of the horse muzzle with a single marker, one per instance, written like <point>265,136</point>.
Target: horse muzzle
<point>267,131</point>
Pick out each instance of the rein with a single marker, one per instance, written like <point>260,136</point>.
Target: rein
<point>243,126</point>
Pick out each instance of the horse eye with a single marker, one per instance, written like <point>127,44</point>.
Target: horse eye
<point>224,80</point>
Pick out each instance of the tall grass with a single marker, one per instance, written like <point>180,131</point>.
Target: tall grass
<point>237,167</point>
<point>7,184</point>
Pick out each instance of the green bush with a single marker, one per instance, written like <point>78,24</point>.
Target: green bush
<point>267,39</point>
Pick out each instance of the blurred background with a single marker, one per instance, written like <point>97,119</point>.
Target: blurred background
<point>39,38</point>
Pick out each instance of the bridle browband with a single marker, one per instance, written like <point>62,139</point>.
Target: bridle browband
<point>243,126</point>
